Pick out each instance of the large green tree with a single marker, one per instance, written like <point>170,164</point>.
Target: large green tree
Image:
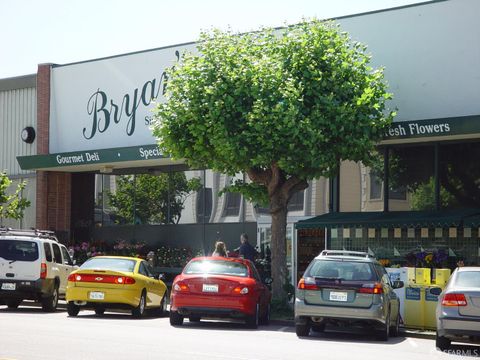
<point>284,106</point>
<point>147,198</point>
<point>12,205</point>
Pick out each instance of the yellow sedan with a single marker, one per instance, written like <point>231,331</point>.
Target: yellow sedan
<point>115,282</point>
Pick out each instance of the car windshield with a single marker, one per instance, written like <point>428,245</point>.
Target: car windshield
<point>216,267</point>
<point>114,264</point>
<point>468,279</point>
<point>18,250</point>
<point>345,270</point>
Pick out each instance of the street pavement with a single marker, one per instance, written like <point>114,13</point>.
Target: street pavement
<point>29,334</point>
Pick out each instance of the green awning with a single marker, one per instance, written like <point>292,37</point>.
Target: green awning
<point>446,218</point>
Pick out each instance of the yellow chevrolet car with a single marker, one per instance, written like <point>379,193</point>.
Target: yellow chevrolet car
<point>115,282</point>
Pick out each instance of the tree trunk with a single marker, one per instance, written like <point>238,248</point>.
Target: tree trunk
<point>279,253</point>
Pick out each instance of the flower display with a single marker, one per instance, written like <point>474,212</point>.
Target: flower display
<point>427,259</point>
<point>168,256</point>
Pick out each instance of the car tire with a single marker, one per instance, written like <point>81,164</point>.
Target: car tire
<point>319,328</point>
<point>442,343</point>
<point>72,309</point>
<point>395,330</point>
<point>302,330</point>
<point>162,310</point>
<point>252,320</point>
<point>99,310</point>
<point>49,304</point>
<point>139,311</point>
<point>175,318</point>
<point>265,319</point>
<point>14,303</point>
<point>384,333</point>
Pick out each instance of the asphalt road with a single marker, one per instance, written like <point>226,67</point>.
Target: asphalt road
<point>29,334</point>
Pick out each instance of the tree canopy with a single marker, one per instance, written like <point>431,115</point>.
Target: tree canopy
<point>13,205</point>
<point>285,106</point>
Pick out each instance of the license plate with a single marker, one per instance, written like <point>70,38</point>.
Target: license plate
<point>8,286</point>
<point>338,296</point>
<point>96,295</point>
<point>210,288</point>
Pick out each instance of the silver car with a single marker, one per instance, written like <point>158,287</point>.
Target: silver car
<point>347,288</point>
<point>458,308</point>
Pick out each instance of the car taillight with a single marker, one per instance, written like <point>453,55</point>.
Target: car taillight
<point>180,287</point>
<point>307,283</point>
<point>376,288</point>
<point>126,280</point>
<point>43,271</point>
<point>242,290</point>
<point>105,279</point>
<point>453,299</point>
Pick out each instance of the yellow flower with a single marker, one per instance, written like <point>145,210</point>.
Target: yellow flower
<point>429,258</point>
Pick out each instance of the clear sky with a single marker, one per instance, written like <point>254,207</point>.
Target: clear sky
<point>64,31</point>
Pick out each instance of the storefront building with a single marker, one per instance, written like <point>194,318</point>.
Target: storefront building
<point>97,166</point>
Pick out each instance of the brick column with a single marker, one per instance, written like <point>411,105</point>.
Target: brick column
<point>43,130</point>
<point>53,188</point>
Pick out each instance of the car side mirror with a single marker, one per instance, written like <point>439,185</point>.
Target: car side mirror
<point>74,262</point>
<point>268,281</point>
<point>435,291</point>
<point>161,276</point>
<point>398,284</point>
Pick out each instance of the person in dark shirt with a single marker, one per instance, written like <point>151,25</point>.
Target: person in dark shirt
<point>246,250</point>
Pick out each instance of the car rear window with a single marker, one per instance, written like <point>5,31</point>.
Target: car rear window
<point>109,264</point>
<point>18,250</point>
<point>216,267</point>
<point>469,279</point>
<point>345,270</point>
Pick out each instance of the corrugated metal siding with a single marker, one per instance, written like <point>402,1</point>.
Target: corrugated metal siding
<point>17,110</point>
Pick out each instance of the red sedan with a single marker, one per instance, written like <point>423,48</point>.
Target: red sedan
<point>218,287</point>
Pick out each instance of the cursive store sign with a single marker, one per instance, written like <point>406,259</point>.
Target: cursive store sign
<point>107,103</point>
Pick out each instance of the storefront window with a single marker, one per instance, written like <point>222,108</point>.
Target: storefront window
<point>459,175</point>
<point>411,180</point>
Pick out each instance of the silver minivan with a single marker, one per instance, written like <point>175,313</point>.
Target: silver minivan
<point>347,288</point>
<point>458,308</point>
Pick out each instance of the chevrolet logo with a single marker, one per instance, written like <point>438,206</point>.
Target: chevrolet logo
<point>98,279</point>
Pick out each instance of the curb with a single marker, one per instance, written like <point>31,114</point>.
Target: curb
<point>411,333</point>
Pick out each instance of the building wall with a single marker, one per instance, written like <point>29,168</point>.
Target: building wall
<point>17,111</point>
<point>430,53</point>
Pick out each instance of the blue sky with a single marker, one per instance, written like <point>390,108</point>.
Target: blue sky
<point>64,31</point>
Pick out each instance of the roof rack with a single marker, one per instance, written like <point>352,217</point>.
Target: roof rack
<point>46,234</point>
<point>346,253</point>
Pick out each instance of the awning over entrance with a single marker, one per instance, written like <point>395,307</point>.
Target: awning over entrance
<point>454,218</point>
<point>104,160</point>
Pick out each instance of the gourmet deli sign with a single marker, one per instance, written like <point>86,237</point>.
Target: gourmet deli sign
<point>107,103</point>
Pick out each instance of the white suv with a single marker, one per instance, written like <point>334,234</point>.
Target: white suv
<point>33,266</point>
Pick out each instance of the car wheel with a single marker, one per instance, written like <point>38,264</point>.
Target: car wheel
<point>13,304</point>
<point>162,311</point>
<point>318,328</point>
<point>49,304</point>
<point>139,311</point>
<point>99,310</point>
<point>302,330</point>
<point>252,320</point>
<point>175,318</point>
<point>442,343</point>
<point>265,319</point>
<point>72,309</point>
<point>395,330</point>
<point>384,333</point>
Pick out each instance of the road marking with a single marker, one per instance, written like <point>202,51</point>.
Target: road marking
<point>412,342</point>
